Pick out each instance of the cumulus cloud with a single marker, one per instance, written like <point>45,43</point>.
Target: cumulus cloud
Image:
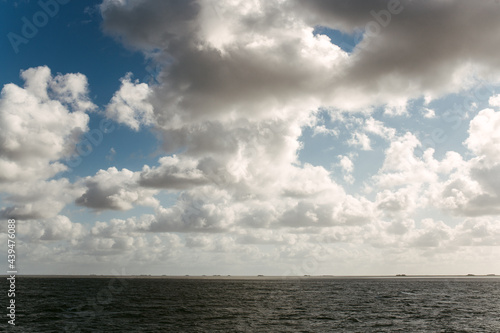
<point>54,229</point>
<point>432,234</point>
<point>473,189</point>
<point>392,58</point>
<point>376,127</point>
<point>203,79</point>
<point>495,100</point>
<point>429,113</point>
<point>347,167</point>
<point>409,180</point>
<point>484,136</point>
<point>116,190</point>
<point>207,210</point>
<point>123,241</point>
<point>41,123</point>
<point>130,105</point>
<point>228,99</point>
<point>482,231</point>
<point>402,167</point>
<point>72,90</point>
<point>361,140</point>
<point>217,64</point>
<point>397,202</point>
<point>173,173</point>
<point>39,199</point>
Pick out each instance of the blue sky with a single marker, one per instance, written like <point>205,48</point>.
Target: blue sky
<point>72,42</point>
<point>243,141</point>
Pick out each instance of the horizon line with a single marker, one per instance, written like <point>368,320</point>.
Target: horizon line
<point>259,276</point>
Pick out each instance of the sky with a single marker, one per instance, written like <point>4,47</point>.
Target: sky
<point>274,137</point>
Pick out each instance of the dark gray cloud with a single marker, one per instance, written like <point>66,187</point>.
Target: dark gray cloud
<point>257,69</point>
<point>151,24</point>
<point>422,48</point>
<point>263,61</point>
<point>115,190</point>
<point>346,15</point>
<point>487,202</point>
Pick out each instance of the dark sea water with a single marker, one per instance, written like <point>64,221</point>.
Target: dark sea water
<point>287,305</point>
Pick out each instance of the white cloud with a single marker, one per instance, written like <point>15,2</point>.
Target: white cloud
<point>173,173</point>
<point>205,210</point>
<point>401,167</point>
<point>495,100</point>
<point>38,199</point>
<point>377,127</point>
<point>429,113</point>
<point>396,108</point>
<point>115,190</point>
<point>54,229</point>
<point>484,136</point>
<point>361,140</point>
<point>321,129</point>
<point>130,105</point>
<point>394,203</point>
<point>432,234</point>
<point>473,189</point>
<point>41,123</point>
<point>347,167</point>
<point>72,90</point>
<point>482,231</point>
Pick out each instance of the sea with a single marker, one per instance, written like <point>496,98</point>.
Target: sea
<point>258,304</point>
